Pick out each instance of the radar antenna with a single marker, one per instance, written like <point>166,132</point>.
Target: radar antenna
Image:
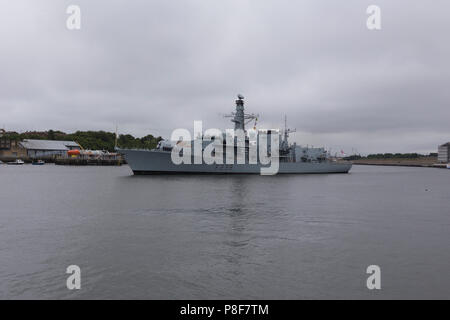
<point>287,131</point>
<point>240,118</point>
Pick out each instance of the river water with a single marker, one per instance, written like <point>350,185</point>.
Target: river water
<point>223,237</point>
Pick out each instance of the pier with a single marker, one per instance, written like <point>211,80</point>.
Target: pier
<point>88,162</point>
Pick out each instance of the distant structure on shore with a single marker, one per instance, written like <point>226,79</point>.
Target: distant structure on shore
<point>444,153</point>
<point>42,149</point>
<point>10,149</point>
<point>57,151</point>
<point>60,152</point>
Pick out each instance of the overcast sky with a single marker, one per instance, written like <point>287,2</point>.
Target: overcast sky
<point>153,66</point>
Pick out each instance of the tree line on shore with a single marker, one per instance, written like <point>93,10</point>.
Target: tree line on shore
<point>92,140</point>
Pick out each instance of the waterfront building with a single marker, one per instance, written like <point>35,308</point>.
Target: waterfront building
<point>10,149</point>
<point>444,153</point>
<point>47,149</point>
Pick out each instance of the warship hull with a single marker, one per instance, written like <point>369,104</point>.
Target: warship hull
<point>148,162</point>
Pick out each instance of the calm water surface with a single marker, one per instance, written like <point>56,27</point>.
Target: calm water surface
<point>208,237</point>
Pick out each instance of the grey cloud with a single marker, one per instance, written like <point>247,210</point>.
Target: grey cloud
<point>152,66</point>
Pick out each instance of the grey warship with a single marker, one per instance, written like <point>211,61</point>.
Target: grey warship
<point>292,158</point>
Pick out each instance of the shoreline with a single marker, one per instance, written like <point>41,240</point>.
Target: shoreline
<point>439,166</point>
<point>425,162</point>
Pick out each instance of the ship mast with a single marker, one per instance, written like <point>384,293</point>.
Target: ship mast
<point>240,118</point>
<point>287,131</point>
<point>239,115</point>
<point>115,139</point>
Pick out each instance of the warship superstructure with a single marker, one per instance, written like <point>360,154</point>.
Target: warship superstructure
<point>291,158</point>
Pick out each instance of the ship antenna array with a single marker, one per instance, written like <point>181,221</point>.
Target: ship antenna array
<point>240,118</point>
<point>287,131</point>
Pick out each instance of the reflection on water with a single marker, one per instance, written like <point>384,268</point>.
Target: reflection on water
<point>202,237</point>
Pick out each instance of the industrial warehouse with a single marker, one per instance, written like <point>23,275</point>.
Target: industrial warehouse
<point>48,149</point>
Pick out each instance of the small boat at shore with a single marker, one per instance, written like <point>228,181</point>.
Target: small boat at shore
<point>38,163</point>
<point>16,162</point>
